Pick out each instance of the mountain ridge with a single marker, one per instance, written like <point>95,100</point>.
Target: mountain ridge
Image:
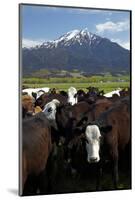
<point>78,49</point>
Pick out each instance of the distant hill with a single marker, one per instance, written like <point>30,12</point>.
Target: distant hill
<point>77,49</point>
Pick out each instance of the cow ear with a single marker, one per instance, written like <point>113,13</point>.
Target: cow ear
<point>106,129</point>
<point>34,95</point>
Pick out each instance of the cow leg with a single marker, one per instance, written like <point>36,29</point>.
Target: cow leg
<point>43,182</point>
<point>115,173</point>
<point>30,187</point>
<point>99,176</point>
<point>51,171</point>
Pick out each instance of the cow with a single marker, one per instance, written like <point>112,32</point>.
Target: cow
<point>63,93</point>
<point>50,111</point>
<point>94,91</point>
<point>38,144</point>
<point>72,96</point>
<point>100,106</point>
<point>110,94</point>
<point>46,98</point>
<point>36,92</point>
<point>68,116</point>
<point>106,138</point>
<point>39,93</point>
<point>27,105</point>
<point>29,91</point>
<point>53,91</point>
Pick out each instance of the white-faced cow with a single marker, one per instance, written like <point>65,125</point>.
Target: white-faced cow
<point>113,129</point>
<point>50,109</point>
<point>72,96</point>
<point>93,135</point>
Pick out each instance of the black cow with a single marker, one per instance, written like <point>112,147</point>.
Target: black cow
<point>67,117</point>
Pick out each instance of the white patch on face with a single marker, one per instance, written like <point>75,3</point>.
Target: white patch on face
<point>50,110</point>
<point>71,100</point>
<point>71,96</point>
<point>92,134</point>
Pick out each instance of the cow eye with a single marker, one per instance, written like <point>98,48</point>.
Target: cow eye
<point>50,109</point>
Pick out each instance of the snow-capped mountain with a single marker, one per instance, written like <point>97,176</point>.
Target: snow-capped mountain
<point>77,49</point>
<point>72,37</point>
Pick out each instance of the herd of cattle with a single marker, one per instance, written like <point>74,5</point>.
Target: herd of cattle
<point>89,126</point>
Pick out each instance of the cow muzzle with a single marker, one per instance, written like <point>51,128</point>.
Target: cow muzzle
<point>93,160</point>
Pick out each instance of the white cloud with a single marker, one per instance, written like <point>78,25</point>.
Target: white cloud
<point>124,44</point>
<point>112,26</point>
<point>31,43</point>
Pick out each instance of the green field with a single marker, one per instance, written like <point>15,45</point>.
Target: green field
<point>107,83</point>
<point>64,86</point>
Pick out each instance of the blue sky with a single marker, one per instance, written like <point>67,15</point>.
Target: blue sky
<point>41,23</point>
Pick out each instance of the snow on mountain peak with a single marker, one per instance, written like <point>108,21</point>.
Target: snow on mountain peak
<point>84,31</point>
<point>73,36</point>
<point>68,36</point>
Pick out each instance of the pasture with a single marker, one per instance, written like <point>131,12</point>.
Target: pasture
<point>107,84</point>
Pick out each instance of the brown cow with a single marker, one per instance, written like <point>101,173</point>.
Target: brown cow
<point>100,106</point>
<point>27,105</point>
<point>37,146</point>
<point>45,98</point>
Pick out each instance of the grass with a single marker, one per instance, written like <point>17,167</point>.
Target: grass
<point>106,83</point>
<point>64,86</point>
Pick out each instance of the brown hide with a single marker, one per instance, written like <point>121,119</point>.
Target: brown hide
<point>101,106</point>
<point>36,145</point>
<point>28,103</point>
<point>118,117</point>
<point>45,98</point>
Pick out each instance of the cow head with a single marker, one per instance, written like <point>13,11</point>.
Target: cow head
<point>93,135</point>
<point>72,96</point>
<point>93,141</point>
<point>50,109</point>
<point>27,105</point>
<point>39,93</point>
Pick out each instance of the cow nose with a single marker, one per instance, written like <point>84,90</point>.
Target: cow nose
<point>93,159</point>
